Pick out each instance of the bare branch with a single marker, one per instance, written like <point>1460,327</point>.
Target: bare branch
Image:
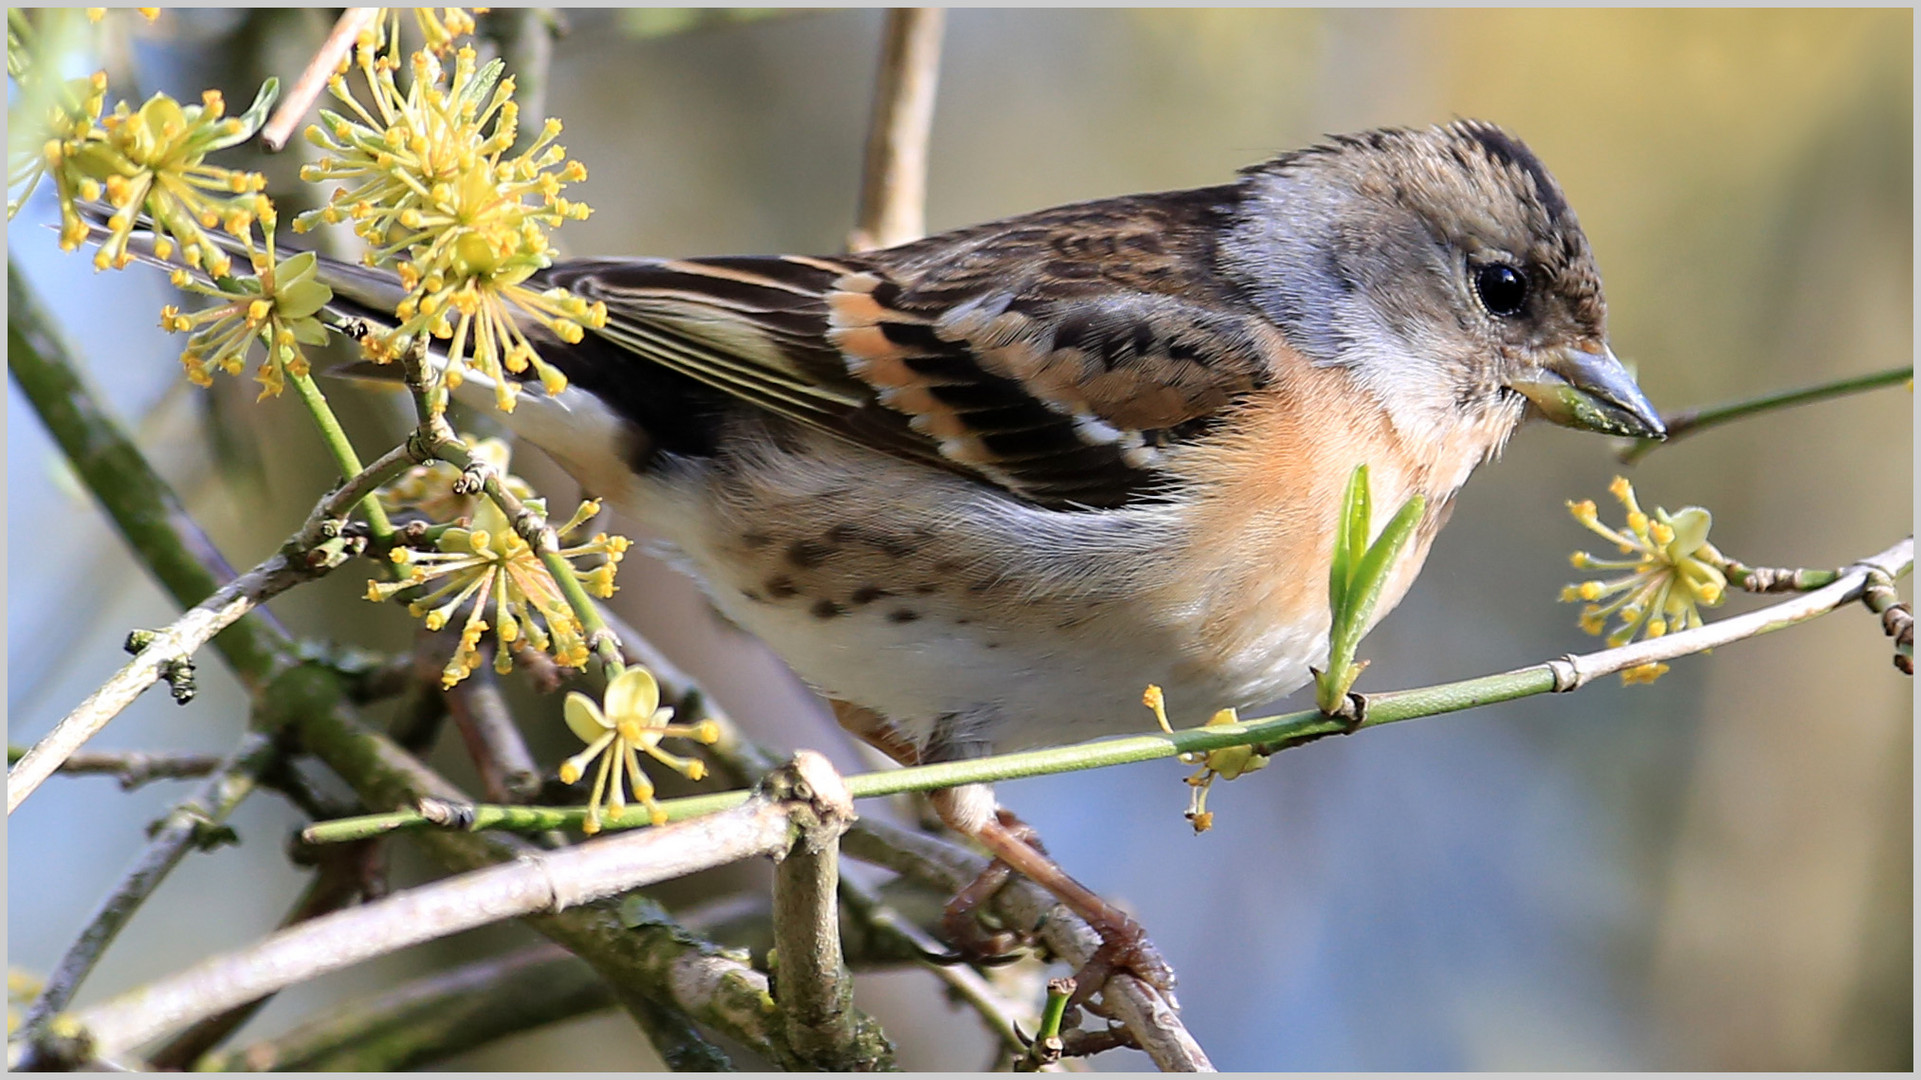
<point>508,772</point>
<point>427,1020</point>
<point>814,989</point>
<point>131,767</point>
<point>306,89</point>
<point>893,192</point>
<point>192,824</point>
<point>307,554</point>
<point>537,883</point>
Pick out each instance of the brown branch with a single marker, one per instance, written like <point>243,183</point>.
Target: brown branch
<point>306,89</point>
<point>893,192</point>
<point>131,767</point>
<point>508,772</point>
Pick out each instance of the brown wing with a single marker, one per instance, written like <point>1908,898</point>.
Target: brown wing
<point>1055,354</point>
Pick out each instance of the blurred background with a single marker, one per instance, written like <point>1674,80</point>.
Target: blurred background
<point>1712,872</point>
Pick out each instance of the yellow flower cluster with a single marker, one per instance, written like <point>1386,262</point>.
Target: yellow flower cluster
<point>279,305</point>
<point>1671,573</point>
<point>632,723</point>
<point>466,226</point>
<point>151,161</point>
<point>490,562</point>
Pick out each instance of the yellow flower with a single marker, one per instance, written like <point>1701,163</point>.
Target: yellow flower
<point>279,307</point>
<point>1227,763</point>
<point>1672,572</point>
<point>440,30</point>
<point>151,163</point>
<point>68,113</point>
<point>465,226</point>
<point>633,722</point>
<point>490,562</point>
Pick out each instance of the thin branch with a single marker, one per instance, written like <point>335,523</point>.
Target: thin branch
<point>196,822</point>
<point>432,1018</point>
<point>142,505</point>
<point>306,555</point>
<point>537,883</point>
<point>1692,421</point>
<point>508,772</point>
<point>306,89</point>
<point>814,990</point>
<point>1269,733</point>
<point>663,976</point>
<point>336,884</point>
<point>131,767</point>
<point>893,191</point>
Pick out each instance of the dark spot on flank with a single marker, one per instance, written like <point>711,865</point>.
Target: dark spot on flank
<point>808,553</point>
<point>781,588</point>
<point>927,588</point>
<point>891,546</point>
<point>843,533</point>
<point>982,585</point>
<point>902,615</point>
<point>993,644</point>
<point>752,540</point>
<point>947,566</point>
<point>963,621</point>
<point>753,595</point>
<point>827,609</point>
<point>867,594</point>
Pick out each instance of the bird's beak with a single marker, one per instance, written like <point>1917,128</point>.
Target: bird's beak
<point>1594,392</point>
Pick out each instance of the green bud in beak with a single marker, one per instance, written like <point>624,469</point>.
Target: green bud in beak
<point>1593,392</point>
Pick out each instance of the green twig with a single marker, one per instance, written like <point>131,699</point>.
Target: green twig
<point>1690,421</point>
<point>341,449</point>
<point>1268,734</point>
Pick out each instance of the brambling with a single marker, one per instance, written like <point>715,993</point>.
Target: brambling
<point>982,488</point>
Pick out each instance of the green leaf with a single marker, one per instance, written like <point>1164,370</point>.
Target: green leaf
<point>1370,575</point>
<point>253,119</point>
<point>482,84</point>
<point>1354,510</point>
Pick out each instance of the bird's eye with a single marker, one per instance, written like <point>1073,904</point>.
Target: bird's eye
<point>1503,288</point>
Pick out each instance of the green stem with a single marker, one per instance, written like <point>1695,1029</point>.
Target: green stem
<point>1272,734</point>
<point>1689,421</point>
<point>342,450</point>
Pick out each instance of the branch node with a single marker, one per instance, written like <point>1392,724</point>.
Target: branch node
<point>1567,674</point>
<point>446,813</point>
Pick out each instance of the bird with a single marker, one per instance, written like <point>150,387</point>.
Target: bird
<point>981,488</point>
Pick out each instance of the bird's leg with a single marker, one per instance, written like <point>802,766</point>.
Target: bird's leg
<point>1016,848</point>
<point>971,811</point>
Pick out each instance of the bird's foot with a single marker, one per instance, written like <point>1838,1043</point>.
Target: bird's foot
<point>1124,948</point>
